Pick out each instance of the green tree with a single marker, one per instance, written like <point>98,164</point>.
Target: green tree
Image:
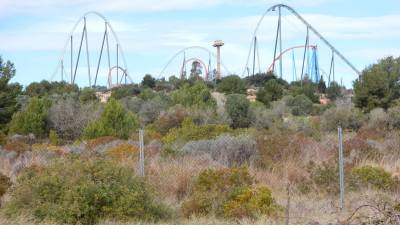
<point>321,85</point>
<point>149,81</point>
<point>378,85</point>
<point>8,92</point>
<point>308,89</point>
<point>124,91</point>
<point>232,85</point>
<point>272,91</point>
<point>237,107</point>
<point>87,95</point>
<point>114,121</point>
<point>32,119</point>
<point>197,95</point>
<point>45,88</point>
<point>334,91</point>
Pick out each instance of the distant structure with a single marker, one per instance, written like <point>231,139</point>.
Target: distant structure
<point>218,44</point>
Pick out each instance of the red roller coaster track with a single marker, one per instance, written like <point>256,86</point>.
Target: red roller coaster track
<point>287,50</point>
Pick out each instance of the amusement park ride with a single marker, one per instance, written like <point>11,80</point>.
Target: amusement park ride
<point>117,73</point>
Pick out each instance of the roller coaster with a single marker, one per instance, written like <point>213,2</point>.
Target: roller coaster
<point>310,63</point>
<point>117,74</point>
<point>113,55</point>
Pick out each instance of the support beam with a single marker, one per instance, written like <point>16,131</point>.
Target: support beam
<point>87,53</point>
<point>304,57</point>
<point>280,42</point>
<point>79,54</point>
<point>101,53</point>
<point>254,54</point>
<point>72,61</point>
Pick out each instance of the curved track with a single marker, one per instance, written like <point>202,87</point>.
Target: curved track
<point>107,26</point>
<point>308,26</point>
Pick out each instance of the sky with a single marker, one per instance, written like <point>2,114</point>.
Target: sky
<point>33,35</point>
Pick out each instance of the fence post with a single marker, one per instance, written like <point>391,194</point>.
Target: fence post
<point>141,152</point>
<point>341,168</point>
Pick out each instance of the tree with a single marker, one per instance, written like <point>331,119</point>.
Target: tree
<point>334,91</point>
<point>45,88</point>
<point>237,106</point>
<point>272,91</point>
<point>149,81</point>
<point>87,95</point>
<point>232,84</point>
<point>32,119</point>
<point>124,91</point>
<point>114,121</point>
<point>378,85</point>
<point>197,95</point>
<point>8,92</point>
<point>321,85</point>
<point>307,88</point>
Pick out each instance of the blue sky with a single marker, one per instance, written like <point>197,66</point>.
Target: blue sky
<point>33,33</point>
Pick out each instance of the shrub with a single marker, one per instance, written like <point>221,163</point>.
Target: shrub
<point>250,202</point>
<point>5,183</point>
<point>18,147</point>
<point>191,132</point>
<point>326,177</point>
<point>378,119</point>
<point>32,119</point>
<point>123,151</point>
<point>300,105</point>
<point>150,110</point>
<point>53,137</point>
<point>272,91</point>
<point>374,177</point>
<point>114,121</point>
<point>343,115</point>
<point>226,149</point>
<point>228,193</point>
<point>82,192</point>
<point>68,118</point>
<point>46,148</point>
<point>275,146</point>
<point>260,116</point>
<point>394,117</point>
<point>237,107</point>
<point>87,95</point>
<point>93,143</point>
<point>197,96</point>
<point>170,119</point>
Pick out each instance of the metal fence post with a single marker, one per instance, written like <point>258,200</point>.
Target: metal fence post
<point>341,168</point>
<point>141,153</point>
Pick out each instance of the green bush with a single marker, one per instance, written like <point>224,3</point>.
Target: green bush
<point>114,121</point>
<point>272,91</point>
<point>228,193</point>
<point>237,107</point>
<point>326,177</point>
<point>344,115</point>
<point>300,105</point>
<point>74,191</point>
<point>374,177</point>
<point>5,183</point>
<point>32,119</point>
<point>192,132</point>
<point>197,96</point>
<point>53,137</point>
